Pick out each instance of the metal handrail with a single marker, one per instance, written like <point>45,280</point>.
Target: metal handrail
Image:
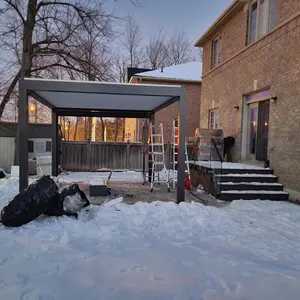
<point>217,149</point>
<point>221,161</point>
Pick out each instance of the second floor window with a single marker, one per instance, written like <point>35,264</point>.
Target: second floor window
<point>216,52</point>
<point>262,18</point>
<point>213,122</point>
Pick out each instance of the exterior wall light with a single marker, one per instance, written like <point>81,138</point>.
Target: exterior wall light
<point>274,99</point>
<point>237,107</point>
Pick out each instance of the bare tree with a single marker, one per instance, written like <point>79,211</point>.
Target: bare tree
<point>199,56</point>
<point>132,42</point>
<point>97,60</point>
<point>121,71</point>
<point>38,35</point>
<point>156,50</point>
<point>121,64</point>
<point>179,48</point>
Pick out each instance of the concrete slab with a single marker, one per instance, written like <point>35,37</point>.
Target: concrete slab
<point>134,191</point>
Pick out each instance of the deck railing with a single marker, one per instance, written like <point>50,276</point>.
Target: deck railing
<point>216,163</point>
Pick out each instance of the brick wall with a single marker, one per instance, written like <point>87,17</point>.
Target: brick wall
<point>233,35</point>
<point>273,62</point>
<point>234,32</point>
<point>286,9</point>
<point>166,115</point>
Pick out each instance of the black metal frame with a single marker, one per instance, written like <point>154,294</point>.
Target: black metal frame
<point>31,87</point>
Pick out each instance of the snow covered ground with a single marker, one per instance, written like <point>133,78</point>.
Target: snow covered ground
<point>247,250</point>
<point>127,176</point>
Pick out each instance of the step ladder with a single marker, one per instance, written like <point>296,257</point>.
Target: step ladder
<point>175,152</point>
<point>159,173</point>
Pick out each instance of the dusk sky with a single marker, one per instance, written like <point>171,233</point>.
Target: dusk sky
<point>193,16</point>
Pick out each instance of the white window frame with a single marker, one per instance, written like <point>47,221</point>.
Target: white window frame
<point>215,124</point>
<point>266,21</point>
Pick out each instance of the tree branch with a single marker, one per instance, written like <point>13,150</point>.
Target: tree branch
<point>70,67</point>
<point>14,6</point>
<point>9,92</point>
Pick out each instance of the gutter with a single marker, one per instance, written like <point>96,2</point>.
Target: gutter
<point>165,79</point>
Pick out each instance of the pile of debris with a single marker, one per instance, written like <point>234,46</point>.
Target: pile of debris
<point>2,173</point>
<point>43,197</point>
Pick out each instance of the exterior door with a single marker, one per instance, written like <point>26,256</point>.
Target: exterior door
<point>263,130</point>
<point>252,130</point>
<point>258,130</point>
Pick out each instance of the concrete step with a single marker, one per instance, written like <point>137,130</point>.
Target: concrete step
<point>250,186</point>
<point>237,178</point>
<point>243,171</point>
<point>254,195</point>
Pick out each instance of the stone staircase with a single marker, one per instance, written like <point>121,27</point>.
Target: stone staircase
<point>249,183</point>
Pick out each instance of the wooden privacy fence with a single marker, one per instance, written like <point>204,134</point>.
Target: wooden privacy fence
<point>91,156</point>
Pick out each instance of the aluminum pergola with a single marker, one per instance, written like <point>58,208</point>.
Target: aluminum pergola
<point>97,99</point>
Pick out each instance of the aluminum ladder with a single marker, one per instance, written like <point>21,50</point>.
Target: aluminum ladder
<point>159,173</point>
<point>175,153</point>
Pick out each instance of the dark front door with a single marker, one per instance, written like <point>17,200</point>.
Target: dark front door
<point>263,130</point>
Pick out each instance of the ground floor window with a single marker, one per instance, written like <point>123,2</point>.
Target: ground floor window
<point>213,122</point>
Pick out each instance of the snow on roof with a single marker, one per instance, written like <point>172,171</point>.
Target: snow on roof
<point>191,71</point>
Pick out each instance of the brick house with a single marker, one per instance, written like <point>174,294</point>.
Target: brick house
<point>187,75</point>
<point>251,83</point>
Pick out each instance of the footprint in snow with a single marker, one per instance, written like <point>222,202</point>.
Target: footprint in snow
<point>31,294</point>
<point>154,277</point>
<point>125,270</point>
<point>22,279</point>
<point>4,260</point>
<point>229,286</point>
<point>135,268</point>
<point>112,290</point>
<point>188,263</point>
<point>60,269</point>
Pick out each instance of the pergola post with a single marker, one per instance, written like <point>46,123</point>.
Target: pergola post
<point>54,143</point>
<point>150,164</point>
<point>23,136</point>
<point>181,157</point>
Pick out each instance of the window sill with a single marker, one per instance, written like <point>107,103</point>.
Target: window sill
<point>215,67</point>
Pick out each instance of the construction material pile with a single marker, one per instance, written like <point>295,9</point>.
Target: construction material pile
<point>43,197</point>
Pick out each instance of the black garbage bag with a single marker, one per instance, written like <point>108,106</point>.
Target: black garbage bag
<point>30,203</point>
<point>2,174</point>
<point>69,203</point>
<point>228,144</point>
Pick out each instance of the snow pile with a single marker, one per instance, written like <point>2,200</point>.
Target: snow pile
<point>248,250</point>
<point>125,176</point>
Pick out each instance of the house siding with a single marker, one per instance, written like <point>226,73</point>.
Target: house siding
<point>271,62</point>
